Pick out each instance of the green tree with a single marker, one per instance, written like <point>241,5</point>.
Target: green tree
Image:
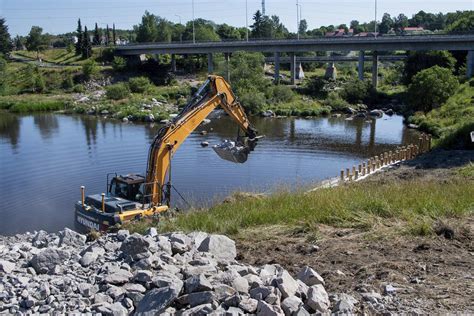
<point>97,36</point>
<point>79,38</point>
<point>400,22</point>
<point>89,69</point>
<point>431,88</point>
<point>5,41</point>
<point>19,43</point>
<point>3,70</point>
<point>303,27</point>
<point>36,41</point>
<point>463,23</point>
<point>204,31</point>
<point>114,35</point>
<point>147,30</point>
<point>227,32</point>
<point>386,24</point>
<point>420,60</point>
<point>86,44</point>
<point>107,35</point>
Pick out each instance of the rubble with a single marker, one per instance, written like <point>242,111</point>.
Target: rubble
<point>176,273</point>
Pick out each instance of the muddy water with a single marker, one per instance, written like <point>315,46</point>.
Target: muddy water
<point>45,158</point>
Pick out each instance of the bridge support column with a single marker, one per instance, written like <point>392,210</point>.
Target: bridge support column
<point>375,69</point>
<point>361,64</point>
<point>210,63</point>
<point>470,64</point>
<point>276,76</point>
<point>293,68</point>
<point>173,63</point>
<point>227,66</point>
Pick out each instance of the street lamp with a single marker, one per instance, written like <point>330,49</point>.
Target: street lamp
<point>246,20</point>
<point>375,22</point>
<point>297,20</point>
<point>194,34</point>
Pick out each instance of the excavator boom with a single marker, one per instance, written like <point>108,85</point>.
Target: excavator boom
<point>213,93</point>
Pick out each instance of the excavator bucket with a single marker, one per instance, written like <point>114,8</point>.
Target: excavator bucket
<point>230,151</point>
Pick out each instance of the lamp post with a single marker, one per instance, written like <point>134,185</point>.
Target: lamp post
<point>246,20</point>
<point>375,22</point>
<point>181,34</point>
<point>194,34</point>
<point>297,20</point>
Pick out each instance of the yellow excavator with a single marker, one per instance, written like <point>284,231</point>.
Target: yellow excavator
<point>135,196</point>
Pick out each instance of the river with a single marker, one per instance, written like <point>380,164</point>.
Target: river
<point>45,158</point>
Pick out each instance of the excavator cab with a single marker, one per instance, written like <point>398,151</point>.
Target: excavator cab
<point>129,187</point>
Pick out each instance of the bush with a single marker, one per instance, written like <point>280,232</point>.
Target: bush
<point>117,91</point>
<point>431,88</point>
<point>282,93</point>
<point>356,91</point>
<point>119,64</point>
<point>68,83</point>
<point>78,88</point>
<point>254,102</point>
<point>421,60</point>
<point>89,69</point>
<point>335,101</point>
<point>139,84</point>
<point>316,86</point>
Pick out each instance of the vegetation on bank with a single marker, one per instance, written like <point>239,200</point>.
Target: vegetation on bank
<point>414,204</point>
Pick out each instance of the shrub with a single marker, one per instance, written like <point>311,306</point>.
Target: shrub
<point>139,84</point>
<point>316,86</point>
<point>68,83</point>
<point>282,93</point>
<point>421,60</point>
<point>107,54</point>
<point>253,101</point>
<point>89,69</point>
<point>119,64</point>
<point>356,91</point>
<point>431,88</point>
<point>78,88</point>
<point>335,101</point>
<point>117,91</point>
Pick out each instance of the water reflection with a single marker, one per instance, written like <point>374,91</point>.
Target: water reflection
<point>10,128</point>
<point>47,125</point>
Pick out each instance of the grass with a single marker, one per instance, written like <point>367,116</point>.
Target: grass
<point>416,203</point>
<point>33,103</point>
<point>300,107</point>
<point>59,56</point>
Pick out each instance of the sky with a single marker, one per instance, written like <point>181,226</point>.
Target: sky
<point>60,16</point>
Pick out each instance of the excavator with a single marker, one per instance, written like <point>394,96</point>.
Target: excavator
<point>135,196</point>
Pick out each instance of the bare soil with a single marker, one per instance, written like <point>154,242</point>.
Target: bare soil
<point>431,275</point>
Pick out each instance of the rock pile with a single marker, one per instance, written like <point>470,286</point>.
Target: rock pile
<point>174,273</point>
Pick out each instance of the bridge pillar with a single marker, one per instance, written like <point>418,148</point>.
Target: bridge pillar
<point>293,68</point>
<point>470,64</point>
<point>276,76</point>
<point>361,64</point>
<point>375,69</point>
<point>210,63</point>
<point>173,63</point>
<point>227,66</point>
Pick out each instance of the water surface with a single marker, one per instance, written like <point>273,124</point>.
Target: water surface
<point>45,158</point>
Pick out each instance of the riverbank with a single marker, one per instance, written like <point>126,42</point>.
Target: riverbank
<point>410,226</point>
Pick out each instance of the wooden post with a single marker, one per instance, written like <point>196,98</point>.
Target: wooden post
<point>390,157</point>
<point>83,194</point>
<point>420,144</point>
<point>417,152</point>
<point>360,168</point>
<point>363,169</point>
<point>348,173</point>
<point>353,170</point>
<point>342,175</point>
<point>369,164</point>
<point>356,175</point>
<point>429,142</point>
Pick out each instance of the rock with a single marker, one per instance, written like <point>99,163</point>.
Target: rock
<point>197,283</point>
<point>125,120</point>
<point>291,305</point>
<point>165,122</point>
<point>143,276</point>
<point>133,287</point>
<point>201,310</point>
<point>265,309</point>
<point>318,298</point>
<point>344,304</point>
<point>68,237</point>
<point>134,245</point>
<point>260,293</point>
<point>6,266</point>
<point>310,277</point>
<point>336,115</point>
<point>361,114</point>
<point>104,112</point>
<point>204,144</point>
<point>388,289</point>
<point>372,297</point>
<point>87,289</point>
<point>164,279</point>
<point>389,112</point>
<point>91,254</point>
<point>156,301</point>
<point>122,234</point>
<point>203,133</point>
<point>46,260</point>
<point>197,298</point>
<point>286,284</point>
<point>301,312</point>
<point>248,305</point>
<point>220,246</point>
<point>241,285</point>
<point>413,126</point>
<point>205,122</point>
<point>376,113</point>
<point>152,232</point>
<point>350,111</point>
<point>268,113</point>
<point>118,276</point>
<point>149,118</point>
<point>40,240</point>
<point>223,291</point>
<point>101,298</point>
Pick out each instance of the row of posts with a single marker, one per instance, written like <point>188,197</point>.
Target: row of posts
<point>374,164</point>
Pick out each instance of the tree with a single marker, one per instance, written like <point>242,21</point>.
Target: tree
<point>386,24</point>
<point>114,36</point>
<point>204,31</point>
<point>18,43</point>
<point>464,23</point>
<point>36,40</point>
<point>5,41</point>
<point>86,44</point>
<point>107,35</point>
<point>431,88</point>
<point>97,36</point>
<point>420,60</point>
<point>79,38</point>
<point>227,32</point>
<point>147,30</point>
<point>303,27</point>
<point>400,22</point>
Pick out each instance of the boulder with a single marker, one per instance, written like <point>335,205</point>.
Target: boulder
<point>6,266</point>
<point>197,298</point>
<point>68,237</point>
<point>248,305</point>
<point>143,276</point>
<point>40,240</point>
<point>376,113</point>
<point>265,309</point>
<point>220,246</point>
<point>48,259</point>
<point>291,305</point>
<point>156,301</point>
<point>201,310</point>
<point>241,285</point>
<point>310,277</point>
<point>197,283</point>
<point>122,234</point>
<point>91,254</point>
<point>118,276</point>
<point>165,279</point>
<point>152,232</point>
<point>286,284</point>
<point>134,245</point>
<point>344,304</point>
<point>318,298</point>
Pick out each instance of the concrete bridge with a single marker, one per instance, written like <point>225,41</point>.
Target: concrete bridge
<point>294,46</point>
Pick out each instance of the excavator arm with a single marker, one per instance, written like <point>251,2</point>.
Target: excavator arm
<point>215,92</point>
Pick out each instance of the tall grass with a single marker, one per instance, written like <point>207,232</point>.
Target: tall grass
<point>360,205</point>
<point>35,103</point>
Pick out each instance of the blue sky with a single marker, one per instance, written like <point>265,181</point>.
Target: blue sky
<point>59,16</point>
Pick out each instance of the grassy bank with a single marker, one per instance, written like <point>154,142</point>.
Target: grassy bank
<point>416,204</point>
<point>34,103</point>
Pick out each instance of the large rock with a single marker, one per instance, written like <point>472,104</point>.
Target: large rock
<point>40,240</point>
<point>118,276</point>
<point>291,305</point>
<point>48,259</point>
<point>265,309</point>
<point>220,246</point>
<point>69,237</point>
<point>156,301</point>
<point>197,283</point>
<point>248,305</point>
<point>310,277</point>
<point>135,245</point>
<point>6,266</point>
<point>165,279</point>
<point>286,284</point>
<point>91,254</point>
<point>201,310</point>
<point>318,298</point>
<point>197,298</point>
